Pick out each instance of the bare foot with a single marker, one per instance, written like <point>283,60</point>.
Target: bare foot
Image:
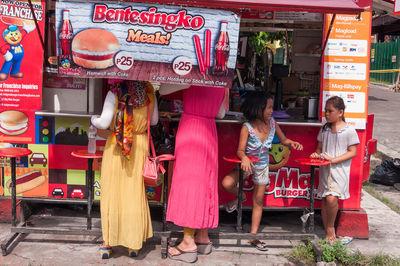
<point>330,235</point>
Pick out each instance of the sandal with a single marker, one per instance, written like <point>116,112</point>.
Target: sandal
<point>204,249</point>
<point>133,252</point>
<point>233,204</point>
<point>105,252</point>
<point>340,241</point>
<point>259,245</point>
<point>185,256</point>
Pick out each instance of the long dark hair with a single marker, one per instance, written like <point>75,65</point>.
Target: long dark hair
<point>254,105</point>
<point>337,103</point>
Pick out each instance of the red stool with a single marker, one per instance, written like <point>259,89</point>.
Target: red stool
<point>313,163</point>
<point>13,153</point>
<point>89,180</point>
<point>235,159</point>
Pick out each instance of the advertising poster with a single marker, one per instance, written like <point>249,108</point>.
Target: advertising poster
<point>147,42</point>
<point>21,58</point>
<point>21,63</point>
<point>346,65</point>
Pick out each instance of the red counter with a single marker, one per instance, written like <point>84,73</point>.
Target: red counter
<point>289,180</point>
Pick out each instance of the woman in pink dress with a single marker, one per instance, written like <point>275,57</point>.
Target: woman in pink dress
<point>193,199</point>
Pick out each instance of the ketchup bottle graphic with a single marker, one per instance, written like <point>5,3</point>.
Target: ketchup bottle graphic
<point>65,41</point>
<point>221,54</point>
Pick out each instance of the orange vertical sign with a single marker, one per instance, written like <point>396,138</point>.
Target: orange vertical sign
<point>345,67</point>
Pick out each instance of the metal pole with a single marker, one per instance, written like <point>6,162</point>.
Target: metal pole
<point>239,227</point>
<point>90,193</point>
<point>165,198</point>
<point>13,193</point>
<point>311,228</point>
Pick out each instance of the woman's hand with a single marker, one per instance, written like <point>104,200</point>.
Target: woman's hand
<point>246,165</point>
<point>295,145</point>
<point>315,155</point>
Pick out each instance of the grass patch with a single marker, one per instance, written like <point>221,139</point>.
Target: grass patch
<point>339,254</point>
<point>379,81</point>
<point>368,187</point>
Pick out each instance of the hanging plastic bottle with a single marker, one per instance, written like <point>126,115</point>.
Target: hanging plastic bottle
<point>92,139</point>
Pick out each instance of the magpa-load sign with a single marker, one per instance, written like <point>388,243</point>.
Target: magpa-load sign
<point>147,42</point>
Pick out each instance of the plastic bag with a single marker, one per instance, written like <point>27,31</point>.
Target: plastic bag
<point>387,173</point>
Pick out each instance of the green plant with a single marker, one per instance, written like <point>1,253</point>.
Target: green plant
<point>340,255</point>
<point>303,252</point>
<point>258,41</point>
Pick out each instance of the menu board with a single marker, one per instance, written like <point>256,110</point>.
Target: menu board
<point>346,65</point>
<point>21,58</point>
<point>21,63</point>
<point>149,42</point>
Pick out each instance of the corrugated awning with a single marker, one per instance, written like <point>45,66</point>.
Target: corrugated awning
<point>315,6</point>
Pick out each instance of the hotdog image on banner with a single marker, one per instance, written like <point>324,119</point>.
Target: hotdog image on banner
<point>27,181</point>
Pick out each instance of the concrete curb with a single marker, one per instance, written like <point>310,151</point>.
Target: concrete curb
<point>387,153</point>
<point>384,86</point>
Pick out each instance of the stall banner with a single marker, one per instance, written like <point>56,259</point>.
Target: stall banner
<point>396,7</point>
<point>345,68</point>
<point>57,82</point>
<point>147,42</point>
<point>21,58</point>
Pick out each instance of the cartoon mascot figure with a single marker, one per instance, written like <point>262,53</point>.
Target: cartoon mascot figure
<point>278,154</point>
<point>13,51</point>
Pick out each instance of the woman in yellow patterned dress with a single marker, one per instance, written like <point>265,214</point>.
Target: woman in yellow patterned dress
<point>125,215</point>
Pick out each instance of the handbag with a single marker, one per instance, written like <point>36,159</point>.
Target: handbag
<point>153,166</point>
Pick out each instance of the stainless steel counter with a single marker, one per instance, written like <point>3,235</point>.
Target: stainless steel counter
<point>285,122</point>
<point>63,113</point>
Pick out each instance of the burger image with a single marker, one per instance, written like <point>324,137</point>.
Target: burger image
<point>94,48</point>
<point>13,122</point>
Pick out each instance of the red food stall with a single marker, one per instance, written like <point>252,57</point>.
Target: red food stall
<point>58,124</point>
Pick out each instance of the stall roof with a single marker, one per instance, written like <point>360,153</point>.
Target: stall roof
<point>315,6</point>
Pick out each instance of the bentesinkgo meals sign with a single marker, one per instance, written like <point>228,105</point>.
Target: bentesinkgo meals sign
<point>147,42</point>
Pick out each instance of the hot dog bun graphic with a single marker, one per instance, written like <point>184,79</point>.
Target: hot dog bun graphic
<point>27,181</point>
<point>13,122</point>
<point>94,48</point>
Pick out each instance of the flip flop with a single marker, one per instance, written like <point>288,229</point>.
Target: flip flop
<point>259,245</point>
<point>204,249</point>
<point>339,241</point>
<point>185,256</point>
<point>133,252</point>
<point>105,252</point>
<point>233,204</point>
<point>345,240</point>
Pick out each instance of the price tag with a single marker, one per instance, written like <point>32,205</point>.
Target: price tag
<point>182,65</point>
<point>123,60</point>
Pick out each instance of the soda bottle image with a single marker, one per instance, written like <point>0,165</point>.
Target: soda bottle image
<point>65,41</point>
<point>221,53</point>
<point>50,39</point>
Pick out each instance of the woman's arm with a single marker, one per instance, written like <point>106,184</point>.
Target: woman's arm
<point>221,111</point>
<point>154,117</point>
<point>167,88</point>
<point>351,153</point>
<point>104,121</point>
<point>241,152</point>
<point>285,141</point>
